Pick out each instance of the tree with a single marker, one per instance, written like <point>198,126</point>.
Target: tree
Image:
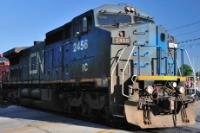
<point>187,70</point>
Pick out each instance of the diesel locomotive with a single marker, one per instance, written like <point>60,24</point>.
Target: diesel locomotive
<point>110,62</point>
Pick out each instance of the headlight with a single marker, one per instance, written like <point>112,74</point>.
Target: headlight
<point>149,89</point>
<point>130,9</point>
<point>133,10</point>
<point>174,84</point>
<point>181,89</point>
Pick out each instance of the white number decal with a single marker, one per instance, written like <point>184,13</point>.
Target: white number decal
<point>80,45</point>
<point>85,67</point>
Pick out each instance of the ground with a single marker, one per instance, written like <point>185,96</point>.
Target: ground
<point>16,119</point>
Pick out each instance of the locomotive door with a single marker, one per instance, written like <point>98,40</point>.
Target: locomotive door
<point>162,51</point>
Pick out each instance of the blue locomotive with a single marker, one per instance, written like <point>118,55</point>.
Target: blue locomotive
<point>109,62</point>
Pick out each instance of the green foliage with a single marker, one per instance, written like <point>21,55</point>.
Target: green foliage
<point>187,70</point>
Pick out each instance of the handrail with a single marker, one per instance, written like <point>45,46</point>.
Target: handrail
<point>122,52</point>
<point>131,53</point>
<point>193,70</point>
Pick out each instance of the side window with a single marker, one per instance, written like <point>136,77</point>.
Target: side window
<point>162,37</point>
<point>82,25</point>
<point>85,24</point>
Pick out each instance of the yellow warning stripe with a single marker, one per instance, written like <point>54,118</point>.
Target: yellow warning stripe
<point>173,78</point>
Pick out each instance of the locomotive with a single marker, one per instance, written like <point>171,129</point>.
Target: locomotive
<point>110,62</point>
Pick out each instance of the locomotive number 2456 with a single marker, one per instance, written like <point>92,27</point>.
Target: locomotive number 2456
<point>80,45</point>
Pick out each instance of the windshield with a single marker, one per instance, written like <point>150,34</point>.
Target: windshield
<point>139,19</point>
<point>113,19</point>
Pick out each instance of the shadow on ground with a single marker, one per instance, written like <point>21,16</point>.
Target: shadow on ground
<point>17,112</point>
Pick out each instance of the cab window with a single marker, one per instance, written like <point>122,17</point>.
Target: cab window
<point>82,25</point>
<point>113,19</point>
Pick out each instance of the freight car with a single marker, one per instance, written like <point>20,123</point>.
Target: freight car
<point>109,62</point>
<point>4,64</point>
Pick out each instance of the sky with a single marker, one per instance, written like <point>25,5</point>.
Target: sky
<point>25,21</point>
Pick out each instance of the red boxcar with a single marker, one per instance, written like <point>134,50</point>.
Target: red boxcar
<point>4,65</point>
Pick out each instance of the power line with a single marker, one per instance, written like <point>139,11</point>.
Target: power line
<point>186,33</point>
<point>189,40</point>
<point>184,26</point>
<point>189,45</point>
